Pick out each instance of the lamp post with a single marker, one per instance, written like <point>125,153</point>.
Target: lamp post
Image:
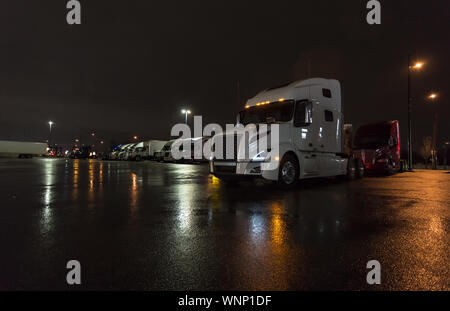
<point>50,124</point>
<point>432,97</point>
<point>186,112</point>
<point>445,154</point>
<point>416,66</point>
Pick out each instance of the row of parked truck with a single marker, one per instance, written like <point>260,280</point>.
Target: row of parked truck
<point>158,150</point>
<point>313,140</point>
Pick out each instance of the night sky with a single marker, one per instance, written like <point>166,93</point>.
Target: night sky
<point>131,66</point>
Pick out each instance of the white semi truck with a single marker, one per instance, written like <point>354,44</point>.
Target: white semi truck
<point>310,123</point>
<point>145,150</point>
<point>21,149</point>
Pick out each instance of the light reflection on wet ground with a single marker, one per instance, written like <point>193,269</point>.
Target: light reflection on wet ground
<point>165,226</point>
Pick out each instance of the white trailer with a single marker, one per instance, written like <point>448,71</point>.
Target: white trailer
<point>21,149</point>
<point>310,122</point>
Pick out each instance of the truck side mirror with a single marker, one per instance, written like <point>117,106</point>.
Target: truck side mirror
<point>303,113</point>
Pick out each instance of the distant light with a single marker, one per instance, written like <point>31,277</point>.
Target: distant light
<point>135,137</point>
<point>183,111</point>
<point>93,134</point>
<point>247,106</point>
<point>189,112</point>
<point>101,142</point>
<point>281,99</point>
<point>432,96</point>
<point>267,102</point>
<point>77,140</point>
<point>418,65</point>
<point>50,123</point>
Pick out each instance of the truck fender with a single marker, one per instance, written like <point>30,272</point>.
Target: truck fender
<point>272,173</point>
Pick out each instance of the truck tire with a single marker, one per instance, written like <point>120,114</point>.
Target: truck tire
<point>289,172</point>
<point>359,168</point>
<point>351,169</point>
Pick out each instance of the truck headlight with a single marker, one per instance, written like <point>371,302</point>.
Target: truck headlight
<point>260,157</point>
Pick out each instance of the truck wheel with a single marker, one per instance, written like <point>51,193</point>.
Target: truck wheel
<point>351,169</point>
<point>359,168</point>
<point>289,172</point>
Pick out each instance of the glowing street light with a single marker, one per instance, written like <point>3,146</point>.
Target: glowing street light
<point>186,112</point>
<point>135,137</point>
<point>432,96</point>
<point>416,66</point>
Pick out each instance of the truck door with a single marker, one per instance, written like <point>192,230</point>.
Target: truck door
<point>305,137</point>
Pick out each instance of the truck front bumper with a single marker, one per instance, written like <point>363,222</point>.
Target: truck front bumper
<point>233,167</point>
<point>243,169</point>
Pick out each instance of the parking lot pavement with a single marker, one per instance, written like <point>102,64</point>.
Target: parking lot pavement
<point>156,226</point>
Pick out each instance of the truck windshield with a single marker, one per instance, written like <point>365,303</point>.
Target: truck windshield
<point>278,111</point>
<point>370,142</point>
<point>372,136</point>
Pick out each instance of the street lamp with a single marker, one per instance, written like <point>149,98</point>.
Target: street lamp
<point>186,112</point>
<point>411,67</point>
<point>135,137</point>
<point>432,97</point>
<point>50,123</point>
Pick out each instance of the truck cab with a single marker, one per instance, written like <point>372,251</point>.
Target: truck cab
<point>379,146</point>
<point>138,152</point>
<point>310,124</point>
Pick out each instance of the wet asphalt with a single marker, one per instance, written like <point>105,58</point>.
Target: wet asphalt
<point>157,226</point>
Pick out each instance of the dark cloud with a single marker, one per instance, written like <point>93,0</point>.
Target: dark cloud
<point>132,65</point>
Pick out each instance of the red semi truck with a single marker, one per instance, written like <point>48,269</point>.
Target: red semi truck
<point>378,144</point>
